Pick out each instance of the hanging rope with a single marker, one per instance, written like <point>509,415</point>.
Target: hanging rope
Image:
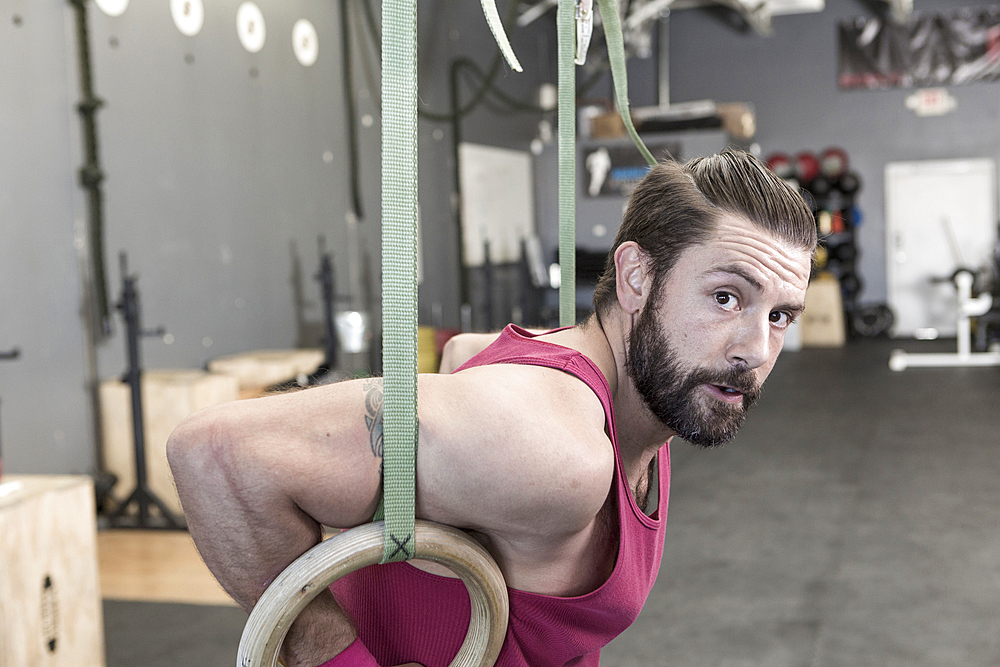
<point>570,19</point>
<point>496,27</point>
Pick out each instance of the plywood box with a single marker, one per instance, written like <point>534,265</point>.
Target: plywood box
<point>607,126</point>
<point>738,119</point>
<point>168,396</point>
<point>823,318</point>
<point>256,371</point>
<point>50,608</point>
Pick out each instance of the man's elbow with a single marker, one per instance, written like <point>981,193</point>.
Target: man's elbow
<point>194,448</point>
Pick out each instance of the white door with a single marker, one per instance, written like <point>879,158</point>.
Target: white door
<point>940,214</point>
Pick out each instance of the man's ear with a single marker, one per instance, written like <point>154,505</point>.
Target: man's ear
<point>633,276</point>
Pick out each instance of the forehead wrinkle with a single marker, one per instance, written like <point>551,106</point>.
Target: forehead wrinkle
<point>780,262</point>
<point>736,233</point>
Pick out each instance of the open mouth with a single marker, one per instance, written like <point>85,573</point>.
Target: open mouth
<point>727,394</point>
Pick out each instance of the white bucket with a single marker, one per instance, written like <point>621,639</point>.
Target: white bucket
<point>352,331</point>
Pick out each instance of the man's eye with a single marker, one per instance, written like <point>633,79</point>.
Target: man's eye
<point>726,300</point>
<point>781,319</point>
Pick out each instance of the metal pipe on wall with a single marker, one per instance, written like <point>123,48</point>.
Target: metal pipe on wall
<point>96,309</point>
<point>663,61</point>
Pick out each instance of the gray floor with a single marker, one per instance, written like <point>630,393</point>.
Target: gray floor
<point>146,634</point>
<point>855,521</point>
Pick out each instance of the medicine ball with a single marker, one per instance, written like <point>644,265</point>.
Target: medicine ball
<point>806,166</point>
<point>781,165</point>
<point>833,162</point>
<point>820,186</point>
<point>849,183</point>
<point>872,320</point>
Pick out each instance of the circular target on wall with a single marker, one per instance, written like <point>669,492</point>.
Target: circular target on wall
<point>250,27</point>
<point>305,42</point>
<point>113,7</point>
<point>188,15</point>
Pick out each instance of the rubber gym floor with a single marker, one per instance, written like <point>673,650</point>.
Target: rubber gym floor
<point>854,521</point>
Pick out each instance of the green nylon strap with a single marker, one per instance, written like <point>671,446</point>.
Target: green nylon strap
<point>399,274</point>
<point>616,56</point>
<point>566,116</point>
<point>496,27</point>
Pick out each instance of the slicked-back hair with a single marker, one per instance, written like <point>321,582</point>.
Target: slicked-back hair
<point>677,206</point>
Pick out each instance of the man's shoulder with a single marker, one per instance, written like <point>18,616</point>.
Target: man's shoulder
<point>525,393</point>
<point>513,441</point>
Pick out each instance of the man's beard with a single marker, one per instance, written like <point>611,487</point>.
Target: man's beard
<point>672,393</point>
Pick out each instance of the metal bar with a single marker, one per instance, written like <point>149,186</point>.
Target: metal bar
<point>91,175</point>
<point>663,46</point>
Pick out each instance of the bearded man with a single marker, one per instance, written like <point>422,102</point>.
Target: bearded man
<point>545,447</point>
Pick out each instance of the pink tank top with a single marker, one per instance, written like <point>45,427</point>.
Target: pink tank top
<point>404,614</point>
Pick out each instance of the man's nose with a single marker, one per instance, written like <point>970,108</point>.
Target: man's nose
<point>750,343</point>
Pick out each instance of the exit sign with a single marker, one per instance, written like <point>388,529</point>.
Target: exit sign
<point>931,102</point>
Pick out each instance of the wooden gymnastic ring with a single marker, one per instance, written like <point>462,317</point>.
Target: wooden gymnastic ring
<point>359,547</point>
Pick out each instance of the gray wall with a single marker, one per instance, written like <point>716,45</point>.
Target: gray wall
<point>216,187</point>
<point>216,181</point>
<point>45,419</point>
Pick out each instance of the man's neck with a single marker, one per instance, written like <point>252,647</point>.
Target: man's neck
<point>639,433</point>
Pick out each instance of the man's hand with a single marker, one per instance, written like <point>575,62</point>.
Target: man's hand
<point>321,632</point>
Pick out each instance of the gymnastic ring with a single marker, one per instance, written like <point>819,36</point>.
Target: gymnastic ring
<point>353,549</point>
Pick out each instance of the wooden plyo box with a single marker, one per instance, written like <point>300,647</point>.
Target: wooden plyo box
<point>256,371</point>
<point>168,396</point>
<point>50,608</point>
<point>823,319</point>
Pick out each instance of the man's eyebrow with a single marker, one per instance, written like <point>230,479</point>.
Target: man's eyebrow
<point>739,271</point>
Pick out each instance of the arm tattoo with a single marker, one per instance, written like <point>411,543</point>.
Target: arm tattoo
<point>373,414</point>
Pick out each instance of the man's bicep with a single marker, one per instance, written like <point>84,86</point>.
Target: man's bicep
<point>339,452</point>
